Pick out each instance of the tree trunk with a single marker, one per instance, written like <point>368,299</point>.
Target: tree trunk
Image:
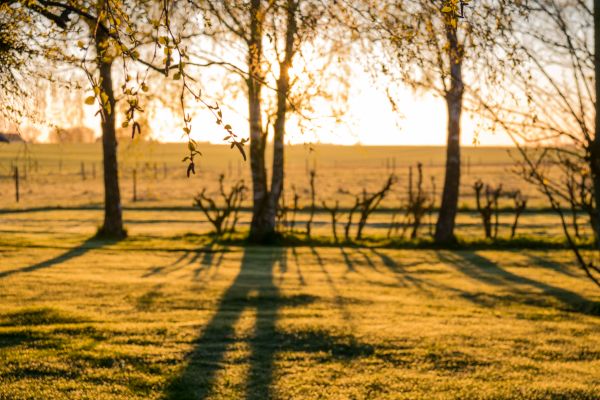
<point>264,212</point>
<point>113,219</point>
<point>283,88</point>
<point>261,226</point>
<point>444,230</point>
<point>595,145</point>
<point>487,225</point>
<point>513,229</point>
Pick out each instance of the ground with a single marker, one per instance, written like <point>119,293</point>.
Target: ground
<point>168,315</point>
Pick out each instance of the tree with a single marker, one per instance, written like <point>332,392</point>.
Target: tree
<point>110,34</point>
<point>103,22</point>
<point>440,47</point>
<point>490,209</point>
<point>113,218</point>
<point>552,113</point>
<point>11,60</point>
<point>109,31</point>
<point>419,202</point>
<point>19,52</point>
<point>453,94</point>
<point>225,217</point>
<point>291,12</point>
<point>273,34</point>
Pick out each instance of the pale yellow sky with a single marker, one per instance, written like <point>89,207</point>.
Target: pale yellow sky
<point>370,120</point>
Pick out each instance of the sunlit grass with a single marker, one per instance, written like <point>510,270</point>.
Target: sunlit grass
<point>178,317</point>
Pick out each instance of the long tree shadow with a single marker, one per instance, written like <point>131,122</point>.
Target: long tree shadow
<point>78,251</point>
<point>550,264</point>
<point>403,276</point>
<point>252,288</point>
<point>485,270</point>
<point>204,256</point>
<point>298,269</point>
<point>339,300</point>
<point>347,260</point>
<point>208,262</point>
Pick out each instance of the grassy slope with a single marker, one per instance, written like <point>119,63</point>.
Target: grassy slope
<point>168,317</point>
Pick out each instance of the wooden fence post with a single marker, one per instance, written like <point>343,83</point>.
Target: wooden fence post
<point>134,184</point>
<point>17,184</point>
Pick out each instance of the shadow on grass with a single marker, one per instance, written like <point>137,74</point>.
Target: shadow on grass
<point>24,321</point>
<point>90,244</point>
<point>56,354</point>
<point>339,300</point>
<point>298,269</point>
<point>254,289</point>
<point>35,316</point>
<point>208,261</point>
<point>404,277</point>
<point>203,256</point>
<point>350,264</point>
<point>483,269</point>
<point>545,262</point>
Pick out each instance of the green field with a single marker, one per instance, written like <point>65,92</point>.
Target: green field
<point>53,179</point>
<point>169,313</point>
<point>53,172</point>
<point>166,315</point>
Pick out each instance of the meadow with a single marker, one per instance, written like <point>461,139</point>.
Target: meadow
<point>51,178</point>
<point>170,313</point>
<point>53,172</point>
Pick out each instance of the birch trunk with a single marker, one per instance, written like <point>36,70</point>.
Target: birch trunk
<point>260,225</point>
<point>283,89</point>
<point>444,230</point>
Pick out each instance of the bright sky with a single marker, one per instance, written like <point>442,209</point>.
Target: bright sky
<point>370,121</point>
<point>423,121</point>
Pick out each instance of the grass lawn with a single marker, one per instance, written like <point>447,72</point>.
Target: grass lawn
<point>174,317</point>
